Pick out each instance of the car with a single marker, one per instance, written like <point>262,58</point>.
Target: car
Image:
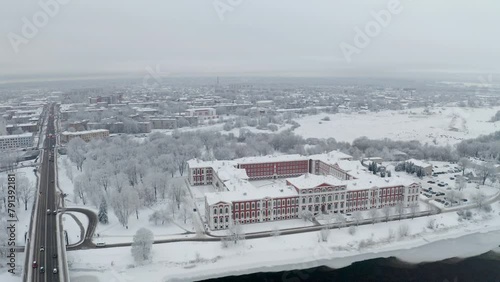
<point>48,211</point>
<point>100,244</point>
<point>52,181</point>
<point>42,249</point>
<point>54,271</point>
<point>464,200</point>
<point>54,255</point>
<point>42,269</point>
<point>449,188</point>
<point>452,178</point>
<point>441,185</point>
<point>54,212</point>
<point>35,265</point>
<point>431,182</point>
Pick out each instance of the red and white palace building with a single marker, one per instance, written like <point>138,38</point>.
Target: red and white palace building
<point>326,183</point>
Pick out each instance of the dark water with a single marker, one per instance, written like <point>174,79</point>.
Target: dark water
<point>483,268</point>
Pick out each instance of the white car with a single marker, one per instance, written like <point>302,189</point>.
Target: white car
<point>54,271</point>
<point>48,211</point>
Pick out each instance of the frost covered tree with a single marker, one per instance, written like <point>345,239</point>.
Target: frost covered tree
<point>235,232</point>
<point>485,171</point>
<point>386,211</point>
<point>400,209</point>
<point>103,212</point>
<point>25,190</point>
<point>142,245</point>
<point>358,217</point>
<point>340,220</point>
<point>413,210</point>
<point>480,199</point>
<point>373,212</point>
<point>76,149</point>
<point>160,216</point>
<point>324,233</point>
<point>463,164</point>
<point>124,203</point>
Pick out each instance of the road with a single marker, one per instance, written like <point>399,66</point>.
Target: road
<point>45,223</point>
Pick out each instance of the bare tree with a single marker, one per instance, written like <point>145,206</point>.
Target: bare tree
<point>404,230</point>
<point>386,211</point>
<point>480,199</point>
<point>454,196</point>
<point>400,209</point>
<point>357,216</point>
<point>340,220</point>
<point>373,214</point>
<point>463,164</point>
<point>413,210</point>
<point>25,190</point>
<point>235,232</point>
<point>485,171</point>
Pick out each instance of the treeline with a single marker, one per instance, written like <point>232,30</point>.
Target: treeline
<point>485,147</point>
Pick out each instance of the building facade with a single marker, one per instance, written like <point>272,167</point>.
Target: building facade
<point>65,137</point>
<point>329,183</point>
<point>16,141</point>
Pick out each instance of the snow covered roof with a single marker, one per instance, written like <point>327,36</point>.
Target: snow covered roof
<point>276,191</point>
<point>331,157</point>
<point>16,136</point>
<point>271,158</point>
<point>419,163</point>
<point>84,132</point>
<point>312,180</point>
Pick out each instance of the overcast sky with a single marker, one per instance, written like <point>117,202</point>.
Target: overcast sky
<point>264,37</point>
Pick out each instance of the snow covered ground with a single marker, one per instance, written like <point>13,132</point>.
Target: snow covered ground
<point>72,228</point>
<point>199,260</point>
<point>444,126</point>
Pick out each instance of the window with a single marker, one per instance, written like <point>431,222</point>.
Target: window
<point>215,220</point>
<point>253,205</point>
<point>236,207</point>
<point>323,199</point>
<point>329,198</point>
<point>303,200</point>
<point>227,210</point>
<point>248,206</point>
<point>258,205</point>
<point>220,210</point>
<point>237,215</point>
<point>310,200</point>
<point>241,206</point>
<point>227,219</point>
<point>288,201</point>
<point>215,211</point>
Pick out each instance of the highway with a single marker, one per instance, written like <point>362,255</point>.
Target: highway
<point>45,223</point>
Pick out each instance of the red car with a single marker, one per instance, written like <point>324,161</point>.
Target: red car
<point>35,265</point>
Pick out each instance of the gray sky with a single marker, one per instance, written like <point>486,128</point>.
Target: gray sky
<point>263,37</point>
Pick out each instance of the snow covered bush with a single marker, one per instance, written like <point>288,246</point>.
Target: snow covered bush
<point>142,245</point>
<point>431,223</point>
<point>352,230</point>
<point>324,233</point>
<point>404,230</point>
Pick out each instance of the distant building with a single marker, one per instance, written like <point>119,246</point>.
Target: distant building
<point>163,123</point>
<point>25,127</point>
<point>202,113</point>
<point>16,141</point>
<point>377,160</point>
<point>327,183</point>
<point>426,167</point>
<point>66,136</point>
<point>3,126</point>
